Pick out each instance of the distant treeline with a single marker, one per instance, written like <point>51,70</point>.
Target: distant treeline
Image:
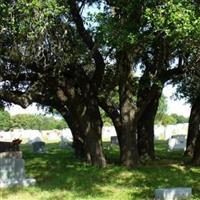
<point>161,118</point>
<point>42,122</point>
<point>29,121</point>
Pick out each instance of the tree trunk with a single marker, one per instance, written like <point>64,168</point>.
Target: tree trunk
<point>90,123</point>
<point>193,128</point>
<point>129,151</point>
<point>78,138</point>
<point>196,154</point>
<point>114,115</point>
<point>145,129</point>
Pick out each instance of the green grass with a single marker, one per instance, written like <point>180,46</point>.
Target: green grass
<point>61,177</point>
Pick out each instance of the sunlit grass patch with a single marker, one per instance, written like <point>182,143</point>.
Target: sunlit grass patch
<point>60,175</point>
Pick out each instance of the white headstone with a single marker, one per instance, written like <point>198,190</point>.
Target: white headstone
<point>177,142</point>
<point>12,172</point>
<point>173,193</point>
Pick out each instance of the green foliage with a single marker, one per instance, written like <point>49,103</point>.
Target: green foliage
<point>180,118</point>
<point>5,121</point>
<point>27,121</point>
<point>173,119</point>
<point>162,110</point>
<point>163,118</point>
<point>168,120</point>
<point>177,20</point>
<point>106,120</point>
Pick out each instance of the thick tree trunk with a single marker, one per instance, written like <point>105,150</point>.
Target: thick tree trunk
<point>78,137</point>
<point>145,129</point>
<point>128,143</point>
<point>92,125</point>
<point>129,153</point>
<point>89,122</point>
<point>193,129</point>
<point>196,154</point>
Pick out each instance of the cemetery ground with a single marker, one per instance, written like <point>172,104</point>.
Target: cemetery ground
<point>61,177</point>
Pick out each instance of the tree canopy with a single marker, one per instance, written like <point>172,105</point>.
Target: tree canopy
<point>58,54</point>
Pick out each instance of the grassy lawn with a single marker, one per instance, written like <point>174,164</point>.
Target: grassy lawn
<point>61,177</point>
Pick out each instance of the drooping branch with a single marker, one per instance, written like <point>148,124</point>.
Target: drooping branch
<point>109,108</point>
<point>24,99</point>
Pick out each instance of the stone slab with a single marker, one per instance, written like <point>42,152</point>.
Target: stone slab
<point>16,182</point>
<point>114,140</point>
<point>11,169</point>
<point>179,193</point>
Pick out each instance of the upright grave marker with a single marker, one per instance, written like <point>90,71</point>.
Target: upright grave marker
<point>12,170</point>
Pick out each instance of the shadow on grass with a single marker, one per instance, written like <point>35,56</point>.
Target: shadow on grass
<point>59,170</point>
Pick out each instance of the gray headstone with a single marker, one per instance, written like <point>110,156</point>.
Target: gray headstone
<point>38,147</point>
<point>12,173</point>
<point>179,193</point>
<point>11,168</point>
<point>65,143</point>
<point>114,140</point>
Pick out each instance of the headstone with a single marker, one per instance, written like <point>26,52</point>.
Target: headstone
<point>173,193</point>
<point>38,147</point>
<point>177,142</point>
<point>114,140</point>
<point>12,170</point>
<point>65,143</point>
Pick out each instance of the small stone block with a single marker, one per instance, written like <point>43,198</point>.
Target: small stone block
<point>173,193</point>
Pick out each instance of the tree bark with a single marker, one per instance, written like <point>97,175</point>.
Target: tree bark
<point>129,151</point>
<point>78,138</point>
<point>145,129</point>
<point>90,124</point>
<point>196,154</point>
<point>193,129</point>
<point>73,123</point>
<point>86,123</point>
<point>114,115</point>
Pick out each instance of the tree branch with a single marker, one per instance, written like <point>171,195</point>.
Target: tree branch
<point>24,99</point>
<point>86,37</point>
